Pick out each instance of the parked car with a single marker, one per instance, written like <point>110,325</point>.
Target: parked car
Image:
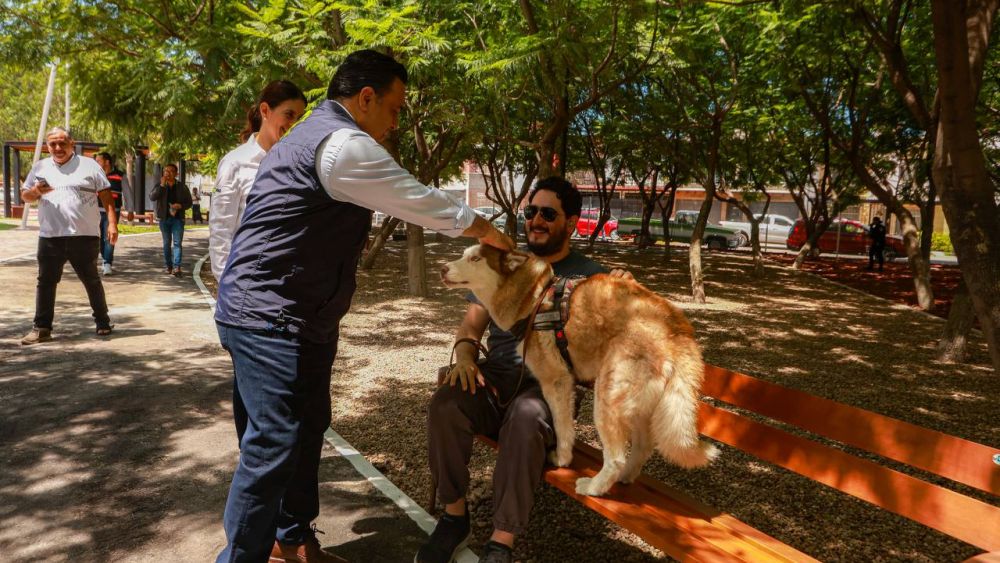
<point>853,237</point>
<point>716,237</point>
<point>588,222</point>
<point>773,229</point>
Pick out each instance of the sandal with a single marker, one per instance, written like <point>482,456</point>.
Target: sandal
<point>105,330</point>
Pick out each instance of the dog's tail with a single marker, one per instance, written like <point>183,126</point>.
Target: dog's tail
<point>675,420</point>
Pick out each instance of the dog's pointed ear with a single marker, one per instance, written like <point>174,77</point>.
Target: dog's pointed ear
<point>515,259</point>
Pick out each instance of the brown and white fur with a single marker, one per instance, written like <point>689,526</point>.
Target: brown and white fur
<point>637,349</point>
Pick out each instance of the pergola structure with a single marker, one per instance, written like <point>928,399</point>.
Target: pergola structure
<point>12,172</point>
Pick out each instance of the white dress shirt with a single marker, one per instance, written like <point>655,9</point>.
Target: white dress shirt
<point>233,180</point>
<point>354,168</point>
<point>70,209</point>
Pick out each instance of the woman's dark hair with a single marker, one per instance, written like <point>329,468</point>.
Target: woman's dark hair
<point>569,196</point>
<point>365,68</point>
<point>275,94</point>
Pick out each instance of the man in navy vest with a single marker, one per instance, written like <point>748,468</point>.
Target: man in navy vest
<point>288,282</point>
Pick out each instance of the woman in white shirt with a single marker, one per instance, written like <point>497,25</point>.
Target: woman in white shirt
<point>279,106</point>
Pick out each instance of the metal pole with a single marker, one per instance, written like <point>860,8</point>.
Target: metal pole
<point>41,132</point>
<point>66,112</point>
<point>6,181</point>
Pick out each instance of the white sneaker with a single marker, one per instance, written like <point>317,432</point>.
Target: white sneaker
<point>107,269</point>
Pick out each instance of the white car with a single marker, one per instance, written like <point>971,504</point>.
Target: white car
<point>774,229</point>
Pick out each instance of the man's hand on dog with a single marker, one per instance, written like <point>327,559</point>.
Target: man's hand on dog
<point>488,234</point>
<point>619,273</point>
<point>467,373</point>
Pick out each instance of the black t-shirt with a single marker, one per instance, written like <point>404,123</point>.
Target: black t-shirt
<point>503,367</point>
<point>877,233</point>
<point>115,179</point>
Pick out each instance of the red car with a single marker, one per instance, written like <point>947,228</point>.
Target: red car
<point>853,239</point>
<point>588,222</point>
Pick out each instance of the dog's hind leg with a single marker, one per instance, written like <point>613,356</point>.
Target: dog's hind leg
<point>612,426</point>
<point>642,448</point>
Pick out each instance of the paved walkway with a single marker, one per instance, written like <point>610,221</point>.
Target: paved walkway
<point>122,449</point>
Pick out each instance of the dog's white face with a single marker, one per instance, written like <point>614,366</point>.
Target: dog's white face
<point>481,268</point>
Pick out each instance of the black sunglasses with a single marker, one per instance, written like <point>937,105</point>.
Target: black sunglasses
<point>548,213</point>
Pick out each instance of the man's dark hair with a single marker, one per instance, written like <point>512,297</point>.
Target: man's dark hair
<point>107,156</point>
<point>569,196</point>
<point>365,68</point>
<point>171,165</point>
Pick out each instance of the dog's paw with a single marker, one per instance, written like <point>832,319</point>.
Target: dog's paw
<point>562,459</point>
<point>585,486</point>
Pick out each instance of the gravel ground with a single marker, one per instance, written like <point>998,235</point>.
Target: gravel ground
<point>790,328</point>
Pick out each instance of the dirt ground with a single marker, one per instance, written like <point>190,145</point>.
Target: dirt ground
<point>894,283</point>
<point>791,328</point>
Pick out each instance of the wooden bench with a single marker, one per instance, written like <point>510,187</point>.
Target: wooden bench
<point>686,529</point>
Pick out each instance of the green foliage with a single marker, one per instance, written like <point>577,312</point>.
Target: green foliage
<point>941,242</point>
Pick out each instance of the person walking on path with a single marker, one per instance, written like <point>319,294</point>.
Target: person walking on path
<point>195,207</point>
<point>120,191</point>
<point>172,200</point>
<point>67,188</point>
<point>509,406</point>
<point>876,251</point>
<point>288,283</point>
<point>280,104</point>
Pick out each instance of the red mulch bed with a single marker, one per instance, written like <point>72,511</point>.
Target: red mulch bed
<point>895,283</point>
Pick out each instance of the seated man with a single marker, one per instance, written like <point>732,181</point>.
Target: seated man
<point>510,409</point>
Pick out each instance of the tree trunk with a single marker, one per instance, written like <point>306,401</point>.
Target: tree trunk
<point>416,260</point>
<point>666,210</point>
<point>919,267</point>
<point>951,347</point>
<point>388,226</point>
<point>645,237</point>
<point>545,153</point>
<point>968,197</point>
<point>694,251</point>
<point>927,219</point>
<point>758,256</point>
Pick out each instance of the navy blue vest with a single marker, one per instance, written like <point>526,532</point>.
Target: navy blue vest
<point>295,255</point>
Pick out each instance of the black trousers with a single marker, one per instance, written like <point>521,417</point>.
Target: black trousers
<point>81,253</point>
<point>524,431</point>
<point>876,252</point>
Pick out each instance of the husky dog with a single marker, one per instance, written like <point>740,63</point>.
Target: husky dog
<point>637,349</point>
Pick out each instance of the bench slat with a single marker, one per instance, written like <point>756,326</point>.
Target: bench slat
<point>961,517</point>
<point>668,519</point>
<point>957,459</point>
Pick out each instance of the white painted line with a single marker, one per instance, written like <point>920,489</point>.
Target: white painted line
<point>416,513</point>
<point>205,293</point>
<point>379,481</point>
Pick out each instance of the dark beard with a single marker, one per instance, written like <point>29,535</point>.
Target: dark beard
<point>554,245</point>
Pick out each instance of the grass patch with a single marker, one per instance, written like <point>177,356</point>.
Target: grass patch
<point>125,229</point>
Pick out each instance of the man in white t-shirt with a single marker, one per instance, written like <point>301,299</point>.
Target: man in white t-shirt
<point>67,187</point>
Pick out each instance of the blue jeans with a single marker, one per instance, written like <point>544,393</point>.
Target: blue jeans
<point>281,406</point>
<point>107,249</point>
<point>172,228</point>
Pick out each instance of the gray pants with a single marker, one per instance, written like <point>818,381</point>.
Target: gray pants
<point>523,430</point>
